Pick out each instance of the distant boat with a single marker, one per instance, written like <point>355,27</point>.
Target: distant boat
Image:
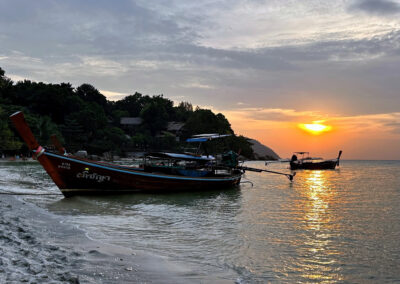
<point>305,162</point>
<point>160,172</point>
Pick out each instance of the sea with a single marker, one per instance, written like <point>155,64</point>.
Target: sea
<point>331,226</point>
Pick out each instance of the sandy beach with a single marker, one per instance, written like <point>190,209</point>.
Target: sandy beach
<point>38,247</point>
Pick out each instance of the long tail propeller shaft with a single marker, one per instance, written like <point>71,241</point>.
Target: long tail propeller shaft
<point>289,176</point>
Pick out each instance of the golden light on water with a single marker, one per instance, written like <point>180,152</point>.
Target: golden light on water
<point>315,128</point>
<point>318,225</point>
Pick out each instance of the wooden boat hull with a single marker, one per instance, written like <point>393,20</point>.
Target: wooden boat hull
<point>324,165</point>
<point>75,176</point>
<point>80,176</point>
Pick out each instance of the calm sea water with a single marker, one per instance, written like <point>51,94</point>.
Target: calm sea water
<point>326,227</point>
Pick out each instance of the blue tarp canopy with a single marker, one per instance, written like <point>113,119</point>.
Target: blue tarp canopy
<point>196,139</point>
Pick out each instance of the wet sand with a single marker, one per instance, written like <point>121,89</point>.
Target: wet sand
<point>38,247</point>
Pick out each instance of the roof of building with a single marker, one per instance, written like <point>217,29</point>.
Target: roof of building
<point>131,120</point>
<point>175,126</point>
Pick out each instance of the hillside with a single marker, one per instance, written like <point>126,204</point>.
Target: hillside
<point>262,152</point>
<point>84,119</point>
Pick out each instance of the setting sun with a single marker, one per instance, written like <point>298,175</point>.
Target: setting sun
<point>315,128</point>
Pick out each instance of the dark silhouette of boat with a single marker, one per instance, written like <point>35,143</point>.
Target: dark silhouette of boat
<point>305,162</point>
<point>159,172</point>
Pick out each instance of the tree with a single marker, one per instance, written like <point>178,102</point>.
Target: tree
<point>3,78</point>
<point>117,114</point>
<point>140,141</point>
<point>155,116</point>
<point>87,120</point>
<point>42,127</point>
<point>108,139</point>
<point>133,104</point>
<point>5,87</point>
<point>92,118</point>
<point>240,144</point>
<point>43,99</point>
<point>89,93</point>
<point>73,133</point>
<point>7,139</point>
<point>205,121</point>
<point>183,111</point>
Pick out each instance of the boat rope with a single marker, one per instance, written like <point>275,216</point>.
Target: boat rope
<point>39,151</point>
<point>247,181</point>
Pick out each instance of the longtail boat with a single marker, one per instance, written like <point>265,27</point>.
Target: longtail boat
<point>305,162</point>
<point>160,172</point>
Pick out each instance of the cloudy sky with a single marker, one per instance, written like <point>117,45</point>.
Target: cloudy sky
<point>267,65</point>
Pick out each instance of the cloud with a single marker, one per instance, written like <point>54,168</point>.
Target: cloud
<point>196,85</point>
<point>376,7</point>
<point>113,96</point>
<point>275,114</point>
<point>373,124</point>
<point>281,54</point>
<point>90,28</point>
<point>394,126</point>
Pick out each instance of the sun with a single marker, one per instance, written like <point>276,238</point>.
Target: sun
<point>315,128</point>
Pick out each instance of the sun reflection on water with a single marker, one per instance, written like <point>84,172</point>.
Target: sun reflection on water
<point>318,259</point>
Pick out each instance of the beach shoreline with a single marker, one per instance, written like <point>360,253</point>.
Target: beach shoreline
<point>39,247</point>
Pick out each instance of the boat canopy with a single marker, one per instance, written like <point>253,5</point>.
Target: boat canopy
<point>178,156</point>
<point>191,140</point>
<point>206,137</point>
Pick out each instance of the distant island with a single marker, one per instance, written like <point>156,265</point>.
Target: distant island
<point>83,119</point>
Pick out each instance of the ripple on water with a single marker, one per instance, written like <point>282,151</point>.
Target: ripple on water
<point>326,226</point>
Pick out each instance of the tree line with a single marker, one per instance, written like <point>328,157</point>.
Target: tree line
<point>83,118</point>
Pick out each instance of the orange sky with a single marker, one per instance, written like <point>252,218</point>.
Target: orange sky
<point>360,137</point>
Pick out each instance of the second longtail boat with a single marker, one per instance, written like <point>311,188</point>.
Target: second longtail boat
<point>305,162</point>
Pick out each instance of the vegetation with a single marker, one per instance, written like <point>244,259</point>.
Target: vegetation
<point>83,118</point>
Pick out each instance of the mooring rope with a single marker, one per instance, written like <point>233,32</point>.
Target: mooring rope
<point>247,181</point>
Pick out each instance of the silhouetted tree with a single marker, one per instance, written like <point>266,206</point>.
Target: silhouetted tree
<point>7,139</point>
<point>89,93</point>
<point>205,121</point>
<point>83,118</point>
<point>155,117</point>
